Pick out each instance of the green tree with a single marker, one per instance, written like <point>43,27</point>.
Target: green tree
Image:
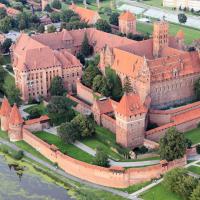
<point>172,145</point>
<point>34,113</point>
<point>67,14</point>
<point>85,125</point>
<point>51,29</point>
<point>114,84</point>
<point>69,132</point>
<point>5,47</point>
<point>127,85</point>
<point>196,193</point>
<point>85,46</point>
<point>3,13</point>
<point>89,74</point>
<point>59,110</point>
<point>5,24</point>
<point>57,86</point>
<point>103,25</point>
<point>48,8</point>
<point>98,83</point>
<point>56,4</point>
<point>113,19</point>
<point>81,57</point>
<point>11,91</point>
<point>2,77</point>
<point>55,17</point>
<point>101,158</point>
<point>182,18</point>
<point>41,28</point>
<point>197,89</point>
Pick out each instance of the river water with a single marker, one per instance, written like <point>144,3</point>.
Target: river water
<point>18,184</point>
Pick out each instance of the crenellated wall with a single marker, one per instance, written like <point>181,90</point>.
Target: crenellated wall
<point>116,177</point>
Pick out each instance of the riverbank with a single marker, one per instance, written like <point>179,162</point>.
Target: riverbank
<point>78,190</point>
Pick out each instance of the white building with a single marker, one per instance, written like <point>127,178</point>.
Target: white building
<point>195,4</point>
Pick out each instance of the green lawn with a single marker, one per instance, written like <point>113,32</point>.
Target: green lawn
<point>24,146</point>
<point>156,3</point>
<point>68,149</point>
<point>40,106</point>
<point>194,169</point>
<point>193,135</point>
<point>190,33</point>
<point>3,135</point>
<point>134,188</point>
<point>159,192</point>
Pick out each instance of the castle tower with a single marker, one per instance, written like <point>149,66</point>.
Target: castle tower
<point>130,116</point>
<point>15,125</point>
<point>180,39</point>
<point>127,23</point>
<point>5,114</point>
<point>160,37</point>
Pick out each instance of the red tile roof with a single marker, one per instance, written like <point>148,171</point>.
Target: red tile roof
<point>37,120</point>
<point>130,105</point>
<point>5,107</point>
<point>127,16</point>
<point>180,34</point>
<point>104,106</point>
<point>15,116</point>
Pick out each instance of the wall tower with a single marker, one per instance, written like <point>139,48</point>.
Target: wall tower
<point>160,37</point>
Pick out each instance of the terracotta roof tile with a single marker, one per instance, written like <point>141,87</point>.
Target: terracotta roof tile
<point>104,106</point>
<point>15,116</point>
<point>37,120</point>
<point>180,34</point>
<point>5,107</point>
<point>130,105</point>
<point>127,16</point>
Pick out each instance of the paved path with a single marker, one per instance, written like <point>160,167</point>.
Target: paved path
<point>66,175</point>
<point>4,67</point>
<point>22,108</point>
<point>114,163</point>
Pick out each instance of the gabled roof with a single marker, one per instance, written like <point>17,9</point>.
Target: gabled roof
<point>104,106</point>
<point>127,16</point>
<point>15,116</point>
<point>5,107</point>
<point>130,104</point>
<point>85,14</point>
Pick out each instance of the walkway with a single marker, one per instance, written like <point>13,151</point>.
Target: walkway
<point>4,67</point>
<point>66,175</point>
<point>114,163</point>
<point>22,108</point>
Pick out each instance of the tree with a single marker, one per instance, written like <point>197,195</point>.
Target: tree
<point>12,93</point>
<point>101,158</point>
<point>2,77</point>
<point>81,57</point>
<point>113,19</point>
<point>196,193</point>
<point>98,83</point>
<point>57,86</point>
<point>182,18</point>
<point>59,110</point>
<point>56,4</point>
<point>68,132</point>
<point>127,85</point>
<point>34,113</point>
<point>172,145</point>
<point>55,17</point>
<point>5,47</point>
<point>48,8</point>
<point>85,46</point>
<point>103,25</point>
<point>89,74</point>
<point>67,14</point>
<point>41,28</point>
<point>198,148</point>
<point>5,24</point>
<point>85,125</point>
<point>3,13</point>
<point>197,89</point>
<point>51,29</point>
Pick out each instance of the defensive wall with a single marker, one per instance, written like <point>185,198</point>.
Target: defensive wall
<point>108,122</point>
<point>116,177</point>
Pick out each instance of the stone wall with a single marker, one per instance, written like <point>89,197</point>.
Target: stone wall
<point>116,177</point>
<point>108,122</point>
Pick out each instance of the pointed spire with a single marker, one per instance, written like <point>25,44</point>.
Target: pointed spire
<point>5,107</point>
<point>15,116</point>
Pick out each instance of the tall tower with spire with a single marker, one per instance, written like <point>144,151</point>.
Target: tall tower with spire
<point>5,114</point>
<point>130,116</point>
<point>15,125</point>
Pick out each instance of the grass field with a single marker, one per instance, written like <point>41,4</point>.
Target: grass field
<point>3,135</point>
<point>190,34</point>
<point>156,3</point>
<point>68,149</point>
<point>193,135</point>
<point>159,192</point>
<point>194,169</point>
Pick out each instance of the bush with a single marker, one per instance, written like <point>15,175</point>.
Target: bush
<point>198,148</point>
<point>101,158</point>
<point>18,155</point>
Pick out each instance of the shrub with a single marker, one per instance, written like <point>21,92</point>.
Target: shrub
<point>198,148</point>
<point>18,155</point>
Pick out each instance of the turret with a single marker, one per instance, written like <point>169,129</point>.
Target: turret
<point>180,39</point>
<point>5,114</point>
<point>130,116</point>
<point>15,125</point>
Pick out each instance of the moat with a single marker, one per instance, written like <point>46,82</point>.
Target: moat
<point>18,183</point>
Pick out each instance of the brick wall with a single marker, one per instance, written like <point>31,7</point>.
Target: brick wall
<point>108,122</point>
<point>111,177</point>
<point>85,93</point>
